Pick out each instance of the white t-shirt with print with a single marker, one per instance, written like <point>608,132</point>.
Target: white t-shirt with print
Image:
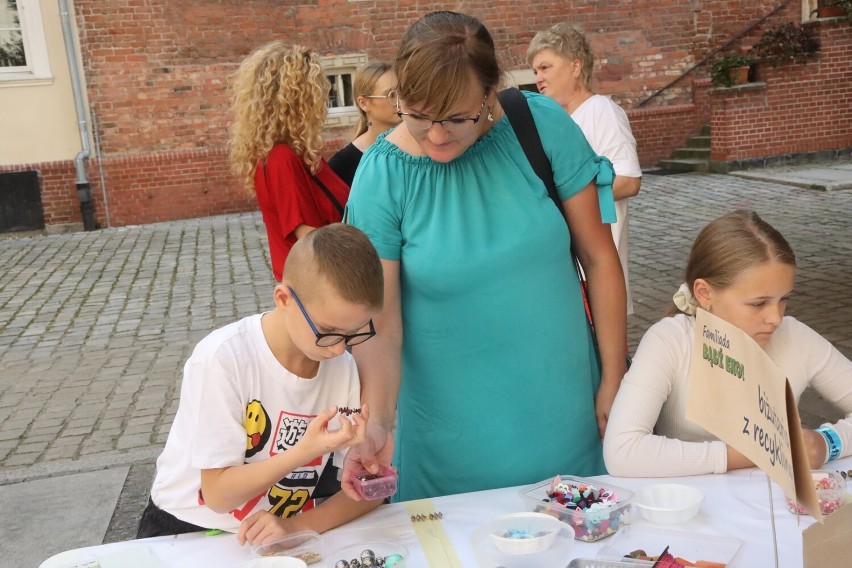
<point>239,405</point>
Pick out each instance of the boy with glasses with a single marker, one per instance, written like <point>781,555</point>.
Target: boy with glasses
<point>266,401</point>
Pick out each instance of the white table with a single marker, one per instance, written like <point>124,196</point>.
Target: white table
<point>736,505</point>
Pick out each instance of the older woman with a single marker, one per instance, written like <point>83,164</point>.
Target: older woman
<point>375,95</point>
<point>563,61</point>
<point>483,346</point>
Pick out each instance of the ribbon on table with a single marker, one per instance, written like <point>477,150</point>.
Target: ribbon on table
<point>434,541</point>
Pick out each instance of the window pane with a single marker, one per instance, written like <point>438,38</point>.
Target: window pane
<point>11,40</point>
<point>12,49</point>
<point>341,91</point>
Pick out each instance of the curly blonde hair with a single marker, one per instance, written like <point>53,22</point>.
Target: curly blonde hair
<point>280,97</point>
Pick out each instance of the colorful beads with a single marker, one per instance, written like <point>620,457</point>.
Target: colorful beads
<point>830,488</point>
<point>593,511</point>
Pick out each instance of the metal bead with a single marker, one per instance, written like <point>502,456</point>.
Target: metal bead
<point>368,558</point>
<point>341,564</point>
<point>354,563</point>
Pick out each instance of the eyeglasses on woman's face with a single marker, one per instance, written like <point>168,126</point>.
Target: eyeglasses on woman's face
<point>330,339</point>
<point>458,125</point>
<point>390,96</point>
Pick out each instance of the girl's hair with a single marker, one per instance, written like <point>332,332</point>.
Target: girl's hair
<point>365,80</point>
<point>732,244</point>
<point>281,97</point>
<point>567,42</point>
<point>435,58</point>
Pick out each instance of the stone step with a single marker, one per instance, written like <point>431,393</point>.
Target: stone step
<point>691,153</point>
<point>686,165</point>
<point>702,141</point>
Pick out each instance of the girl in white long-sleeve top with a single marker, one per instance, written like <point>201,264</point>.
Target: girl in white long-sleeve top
<point>740,269</point>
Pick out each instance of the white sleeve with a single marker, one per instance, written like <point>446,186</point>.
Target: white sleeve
<point>610,135</point>
<point>631,449</point>
<point>219,438</point>
<point>831,376</point>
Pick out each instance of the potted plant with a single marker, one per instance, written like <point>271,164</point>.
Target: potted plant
<point>785,43</point>
<point>731,70</point>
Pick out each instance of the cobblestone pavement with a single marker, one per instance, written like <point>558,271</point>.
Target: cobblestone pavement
<point>95,327</point>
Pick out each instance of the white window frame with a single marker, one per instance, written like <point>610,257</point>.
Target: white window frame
<point>37,70</point>
<point>336,66</point>
<point>520,77</point>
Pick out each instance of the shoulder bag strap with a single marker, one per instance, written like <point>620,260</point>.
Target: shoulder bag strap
<point>326,191</point>
<point>321,185</point>
<point>518,112</point>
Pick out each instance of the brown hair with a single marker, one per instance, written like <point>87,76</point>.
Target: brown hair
<point>365,80</point>
<point>732,244</point>
<point>567,42</point>
<point>435,58</point>
<point>280,97</point>
<point>344,257</point>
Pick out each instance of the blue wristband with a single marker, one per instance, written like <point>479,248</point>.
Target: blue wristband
<point>833,441</point>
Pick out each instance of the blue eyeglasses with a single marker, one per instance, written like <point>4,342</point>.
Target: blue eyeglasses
<point>329,339</point>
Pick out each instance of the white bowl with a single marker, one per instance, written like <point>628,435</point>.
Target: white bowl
<point>540,532</point>
<point>668,503</point>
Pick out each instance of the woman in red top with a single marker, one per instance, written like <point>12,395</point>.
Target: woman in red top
<point>276,141</point>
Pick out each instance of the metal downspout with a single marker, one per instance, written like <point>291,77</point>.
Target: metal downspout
<point>84,188</point>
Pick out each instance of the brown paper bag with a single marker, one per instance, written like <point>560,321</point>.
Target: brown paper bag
<point>829,544</point>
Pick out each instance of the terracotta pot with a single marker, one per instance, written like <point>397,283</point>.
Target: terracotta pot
<point>830,12</point>
<point>739,75</point>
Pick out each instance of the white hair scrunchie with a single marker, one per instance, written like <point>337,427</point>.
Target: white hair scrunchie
<point>685,301</point>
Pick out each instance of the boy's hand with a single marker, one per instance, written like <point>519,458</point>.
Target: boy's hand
<point>376,449</point>
<point>319,440</point>
<point>260,527</point>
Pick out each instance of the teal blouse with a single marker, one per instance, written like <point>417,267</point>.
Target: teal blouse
<point>499,370</point>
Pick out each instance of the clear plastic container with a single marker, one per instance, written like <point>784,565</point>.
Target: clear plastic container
<point>653,540</point>
<point>304,545</point>
<point>589,525</point>
<point>375,486</point>
<point>830,489</point>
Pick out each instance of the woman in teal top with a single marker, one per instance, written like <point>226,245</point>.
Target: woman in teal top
<point>496,378</point>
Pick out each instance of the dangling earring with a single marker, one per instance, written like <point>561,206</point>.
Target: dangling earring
<point>490,116</point>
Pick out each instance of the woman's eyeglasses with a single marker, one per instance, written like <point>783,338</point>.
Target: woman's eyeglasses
<point>329,339</point>
<point>390,96</point>
<point>419,123</point>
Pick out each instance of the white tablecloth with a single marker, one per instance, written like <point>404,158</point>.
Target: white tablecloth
<point>736,505</point>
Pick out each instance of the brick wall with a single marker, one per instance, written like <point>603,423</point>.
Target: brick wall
<point>794,108</point>
<point>157,75</point>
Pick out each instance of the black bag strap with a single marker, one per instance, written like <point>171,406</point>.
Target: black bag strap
<point>518,112</point>
<point>321,185</point>
<point>327,191</point>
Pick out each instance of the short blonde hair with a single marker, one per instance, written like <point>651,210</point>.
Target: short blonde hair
<point>280,97</point>
<point>435,58</point>
<point>344,257</point>
<point>567,42</point>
